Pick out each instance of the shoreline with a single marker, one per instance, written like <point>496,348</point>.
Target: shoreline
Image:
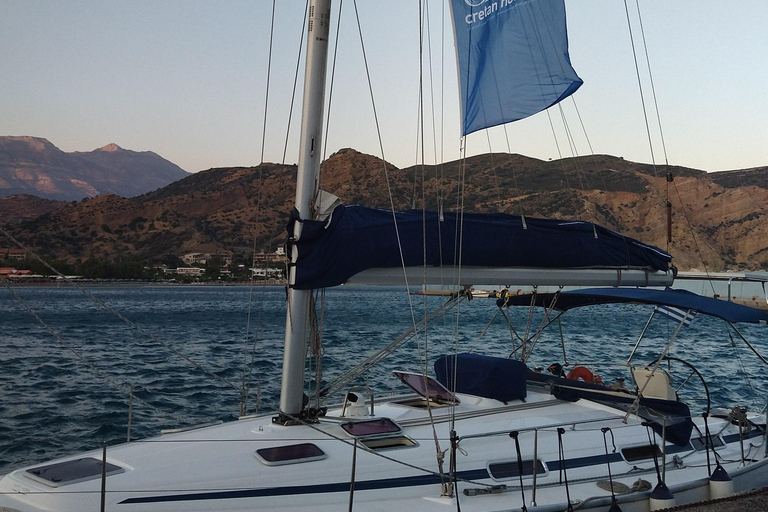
<point>102,282</point>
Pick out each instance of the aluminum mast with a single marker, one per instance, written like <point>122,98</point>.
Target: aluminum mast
<point>297,317</point>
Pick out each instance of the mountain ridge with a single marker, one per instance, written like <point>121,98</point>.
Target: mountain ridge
<point>225,209</point>
<point>35,166</point>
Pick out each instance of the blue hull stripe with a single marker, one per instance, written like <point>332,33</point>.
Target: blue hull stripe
<point>389,483</point>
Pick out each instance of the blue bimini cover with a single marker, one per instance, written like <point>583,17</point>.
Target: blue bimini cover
<point>682,299</point>
<point>356,238</point>
<point>485,376</point>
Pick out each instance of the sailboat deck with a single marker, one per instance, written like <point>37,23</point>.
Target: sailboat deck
<point>205,466</point>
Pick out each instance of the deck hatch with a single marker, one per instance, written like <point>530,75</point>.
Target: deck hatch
<point>427,387</point>
<point>291,454</point>
<point>388,443</point>
<point>506,469</point>
<point>700,443</point>
<point>642,452</point>
<point>71,471</point>
<point>373,427</point>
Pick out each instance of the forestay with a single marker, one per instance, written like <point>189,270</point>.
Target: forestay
<point>356,238</point>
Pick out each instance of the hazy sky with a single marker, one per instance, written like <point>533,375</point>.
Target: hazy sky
<point>187,79</point>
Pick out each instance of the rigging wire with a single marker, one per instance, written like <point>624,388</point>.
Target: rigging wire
<point>333,80</point>
<point>520,204</point>
<point>248,369</point>
<point>125,388</point>
<point>121,317</point>
<point>653,88</point>
<point>348,376</point>
<point>640,87</point>
<point>583,128</point>
<point>424,20</point>
<point>742,367</point>
<point>269,75</point>
<point>670,177</point>
<point>661,135</point>
<point>295,80</point>
<point>442,121</point>
<point>384,164</point>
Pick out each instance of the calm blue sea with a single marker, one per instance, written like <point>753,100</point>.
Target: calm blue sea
<point>54,402</point>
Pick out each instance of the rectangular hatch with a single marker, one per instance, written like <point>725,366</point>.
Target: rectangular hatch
<point>71,472</point>
<point>427,387</point>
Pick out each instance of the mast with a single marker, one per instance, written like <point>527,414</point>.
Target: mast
<point>297,317</point>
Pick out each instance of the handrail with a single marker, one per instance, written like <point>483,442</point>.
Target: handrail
<point>547,427</point>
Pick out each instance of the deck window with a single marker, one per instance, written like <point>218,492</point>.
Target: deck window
<point>642,452</point>
<point>291,454</point>
<point>427,387</point>
<point>373,427</point>
<point>71,471</point>
<point>388,443</point>
<point>507,469</point>
<point>700,443</point>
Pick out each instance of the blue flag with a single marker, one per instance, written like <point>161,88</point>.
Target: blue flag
<point>513,59</point>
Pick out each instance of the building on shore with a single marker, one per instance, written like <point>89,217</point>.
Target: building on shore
<point>201,258</point>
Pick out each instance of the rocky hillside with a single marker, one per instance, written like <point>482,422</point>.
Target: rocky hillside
<point>31,165</point>
<point>15,209</point>
<point>719,220</point>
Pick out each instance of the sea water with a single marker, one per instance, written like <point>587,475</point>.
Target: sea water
<point>68,370</point>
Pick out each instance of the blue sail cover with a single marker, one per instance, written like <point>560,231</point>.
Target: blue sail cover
<point>356,238</point>
<point>513,59</point>
<point>489,377</point>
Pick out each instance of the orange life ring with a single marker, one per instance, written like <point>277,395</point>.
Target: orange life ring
<point>583,373</point>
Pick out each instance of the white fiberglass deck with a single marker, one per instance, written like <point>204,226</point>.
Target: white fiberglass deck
<point>216,468</point>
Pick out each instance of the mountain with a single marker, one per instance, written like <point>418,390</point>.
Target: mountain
<point>719,219</point>
<point>32,165</point>
<point>21,207</point>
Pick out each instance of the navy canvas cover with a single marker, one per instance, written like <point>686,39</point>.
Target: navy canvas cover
<point>484,376</point>
<point>356,238</point>
<point>682,299</point>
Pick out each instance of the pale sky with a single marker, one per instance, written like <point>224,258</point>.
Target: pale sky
<point>187,79</point>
